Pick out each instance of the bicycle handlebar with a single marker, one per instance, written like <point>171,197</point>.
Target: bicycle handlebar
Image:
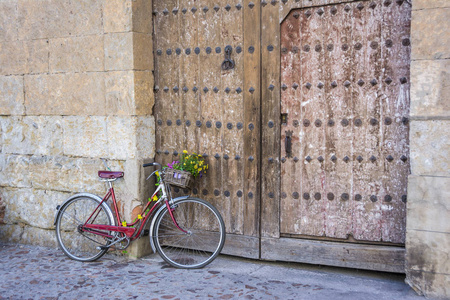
<point>152,164</point>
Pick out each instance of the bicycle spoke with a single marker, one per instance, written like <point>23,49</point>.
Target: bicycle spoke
<point>200,245</point>
<point>76,243</point>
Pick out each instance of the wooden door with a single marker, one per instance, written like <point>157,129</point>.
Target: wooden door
<point>340,74</point>
<point>202,108</point>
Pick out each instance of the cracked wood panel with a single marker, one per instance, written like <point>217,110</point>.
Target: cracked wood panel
<point>270,114</point>
<point>348,186</point>
<point>366,136</point>
<point>211,139</point>
<point>203,115</point>
<point>233,168</point>
<point>165,79</point>
<point>290,202</point>
<point>252,93</point>
<point>313,108</point>
<point>339,105</point>
<point>395,107</point>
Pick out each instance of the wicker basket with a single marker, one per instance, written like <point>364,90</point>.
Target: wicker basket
<point>179,178</point>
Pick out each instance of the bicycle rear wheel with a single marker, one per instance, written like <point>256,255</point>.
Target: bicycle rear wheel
<point>203,241</point>
<point>75,242</point>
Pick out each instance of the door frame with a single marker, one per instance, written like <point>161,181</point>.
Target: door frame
<point>272,245</point>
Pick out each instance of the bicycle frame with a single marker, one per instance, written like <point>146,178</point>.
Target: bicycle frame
<point>129,230</point>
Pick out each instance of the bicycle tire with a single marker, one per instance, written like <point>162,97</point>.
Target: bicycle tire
<point>204,240</point>
<point>78,245</point>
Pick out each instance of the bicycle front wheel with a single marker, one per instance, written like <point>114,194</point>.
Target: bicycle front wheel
<point>73,240</point>
<point>198,243</point>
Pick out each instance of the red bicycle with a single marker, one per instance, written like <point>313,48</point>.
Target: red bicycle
<point>187,232</point>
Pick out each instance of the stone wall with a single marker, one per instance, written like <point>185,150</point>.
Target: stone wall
<point>76,90</point>
<point>428,225</point>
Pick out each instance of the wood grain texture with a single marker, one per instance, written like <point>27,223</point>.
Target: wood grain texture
<point>348,183</point>
<point>252,102</point>
<point>203,115</point>
<point>270,95</point>
<point>380,258</point>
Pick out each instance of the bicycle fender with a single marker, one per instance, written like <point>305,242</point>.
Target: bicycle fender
<point>105,206</point>
<point>152,225</point>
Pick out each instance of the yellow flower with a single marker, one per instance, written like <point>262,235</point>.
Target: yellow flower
<point>200,155</point>
<point>155,198</point>
<point>195,167</point>
<point>201,163</point>
<point>139,217</point>
<point>124,224</point>
<point>157,173</point>
<point>199,169</point>
<point>185,152</point>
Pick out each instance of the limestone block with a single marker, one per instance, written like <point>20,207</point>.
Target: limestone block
<point>76,175</point>
<point>121,137</point>
<point>11,233</point>
<point>430,88</point>
<point>119,51</point>
<point>428,203</point>
<point>77,54</point>
<point>422,4</point>
<point>32,207</point>
<point>130,137</point>
<point>65,94</point>
<point>430,147</point>
<point>142,54</point>
<point>429,40</point>
<point>32,135</point>
<point>8,20</point>
<point>143,89</point>
<point>120,93</point>
<point>142,9</point>
<point>129,93</point>
<point>59,18</point>
<point>39,237</point>
<point>428,251</point>
<point>436,286</point>
<point>145,137</point>
<point>117,15</point>
<point>14,170</point>
<point>85,136</point>
<point>11,95</point>
<point>65,174</point>
<point>23,57</point>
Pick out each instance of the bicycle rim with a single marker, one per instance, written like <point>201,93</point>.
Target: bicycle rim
<point>80,245</point>
<point>202,243</point>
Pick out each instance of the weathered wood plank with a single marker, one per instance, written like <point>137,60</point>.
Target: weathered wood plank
<point>290,203</point>
<point>270,87</point>
<point>241,245</point>
<point>395,106</point>
<point>362,226</point>
<point>252,92</point>
<point>377,258</point>
<point>233,168</point>
<point>211,139</point>
<point>313,106</point>
<point>167,79</point>
<point>338,107</point>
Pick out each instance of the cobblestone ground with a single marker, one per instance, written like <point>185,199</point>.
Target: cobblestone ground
<point>29,272</point>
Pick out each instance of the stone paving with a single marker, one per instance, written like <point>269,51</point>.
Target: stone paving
<point>31,272</point>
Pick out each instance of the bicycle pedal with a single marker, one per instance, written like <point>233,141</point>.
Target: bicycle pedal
<point>102,248</point>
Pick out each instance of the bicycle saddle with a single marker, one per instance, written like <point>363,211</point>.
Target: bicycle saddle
<point>110,174</point>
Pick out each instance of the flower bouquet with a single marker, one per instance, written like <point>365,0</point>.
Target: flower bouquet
<point>182,173</point>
